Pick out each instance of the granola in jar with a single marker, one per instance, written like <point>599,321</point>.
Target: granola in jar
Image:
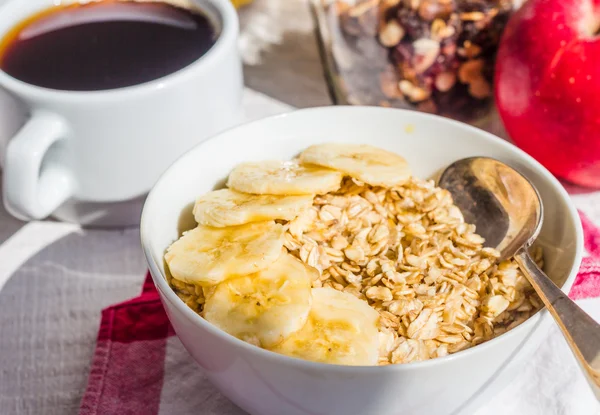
<point>435,56</point>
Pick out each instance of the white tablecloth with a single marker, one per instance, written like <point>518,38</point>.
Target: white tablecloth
<point>55,278</point>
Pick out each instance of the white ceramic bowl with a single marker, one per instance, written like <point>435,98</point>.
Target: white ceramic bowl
<point>265,383</point>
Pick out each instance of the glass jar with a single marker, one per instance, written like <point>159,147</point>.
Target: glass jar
<point>435,56</point>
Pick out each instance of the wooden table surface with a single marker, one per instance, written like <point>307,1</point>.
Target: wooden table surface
<point>290,68</point>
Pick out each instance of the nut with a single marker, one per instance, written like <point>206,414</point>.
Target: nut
<point>470,70</point>
<point>386,4</point>
<point>480,88</point>
<point>413,92</point>
<point>426,52</point>
<point>412,4</point>
<point>445,81</point>
<point>432,9</point>
<point>391,33</point>
<point>472,16</point>
<point>440,30</point>
<point>341,7</point>
<point>469,50</point>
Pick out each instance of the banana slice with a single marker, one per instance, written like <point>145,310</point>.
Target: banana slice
<point>207,256</point>
<point>283,178</point>
<point>264,308</point>
<point>229,208</point>
<point>341,329</point>
<point>369,164</point>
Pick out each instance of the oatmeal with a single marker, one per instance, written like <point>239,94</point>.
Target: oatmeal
<point>407,252</point>
<point>413,281</point>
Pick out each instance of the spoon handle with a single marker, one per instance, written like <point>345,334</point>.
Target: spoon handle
<point>580,330</point>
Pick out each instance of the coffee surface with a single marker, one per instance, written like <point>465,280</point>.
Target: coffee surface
<point>104,45</point>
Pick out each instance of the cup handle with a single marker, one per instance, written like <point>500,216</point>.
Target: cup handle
<point>33,189</point>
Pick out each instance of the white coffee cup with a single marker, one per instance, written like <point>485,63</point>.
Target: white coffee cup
<point>82,154</point>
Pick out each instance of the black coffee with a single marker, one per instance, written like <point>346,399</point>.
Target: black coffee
<point>104,45</point>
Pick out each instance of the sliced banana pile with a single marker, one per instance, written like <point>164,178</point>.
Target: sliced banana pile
<point>227,207</point>
<point>341,329</point>
<point>366,163</point>
<point>283,178</point>
<point>208,255</point>
<point>266,307</point>
<point>257,291</point>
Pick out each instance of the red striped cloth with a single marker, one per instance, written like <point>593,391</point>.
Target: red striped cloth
<point>128,365</point>
<point>128,368</point>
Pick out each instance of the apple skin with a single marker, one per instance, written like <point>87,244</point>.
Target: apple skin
<point>547,86</point>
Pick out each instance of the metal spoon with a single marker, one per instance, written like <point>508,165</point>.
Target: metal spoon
<point>507,211</point>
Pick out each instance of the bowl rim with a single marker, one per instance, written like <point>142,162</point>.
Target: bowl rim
<point>532,322</point>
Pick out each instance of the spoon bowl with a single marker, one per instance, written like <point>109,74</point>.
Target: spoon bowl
<point>507,211</point>
<point>504,206</point>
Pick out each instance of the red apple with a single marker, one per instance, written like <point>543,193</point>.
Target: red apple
<point>547,85</point>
